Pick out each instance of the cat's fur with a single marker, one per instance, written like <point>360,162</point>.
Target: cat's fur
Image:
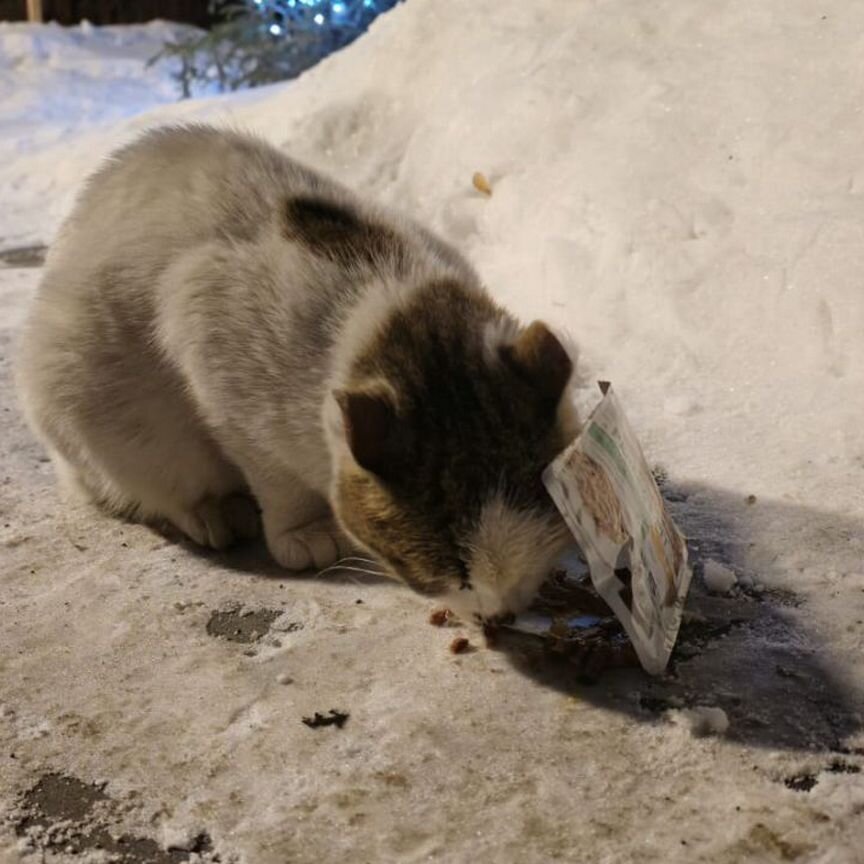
<point>216,320</point>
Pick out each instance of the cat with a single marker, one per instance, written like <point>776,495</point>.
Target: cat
<point>219,326</point>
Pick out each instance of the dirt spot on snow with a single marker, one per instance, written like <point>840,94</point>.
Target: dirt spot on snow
<point>331,718</point>
<point>56,798</point>
<point>801,782</point>
<point>762,838</point>
<point>392,778</point>
<point>238,626</point>
<point>838,767</point>
<point>23,256</point>
<point>806,780</point>
<point>62,813</point>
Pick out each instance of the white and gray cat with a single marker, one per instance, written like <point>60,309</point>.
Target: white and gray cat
<point>218,323</point>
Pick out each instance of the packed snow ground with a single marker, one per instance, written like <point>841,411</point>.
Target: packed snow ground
<point>681,186</point>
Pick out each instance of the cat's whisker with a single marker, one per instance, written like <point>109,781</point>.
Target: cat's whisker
<point>355,560</point>
<point>347,568</point>
<point>371,561</point>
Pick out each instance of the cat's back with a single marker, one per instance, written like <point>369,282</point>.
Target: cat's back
<point>148,208</point>
<point>151,205</point>
<point>180,186</point>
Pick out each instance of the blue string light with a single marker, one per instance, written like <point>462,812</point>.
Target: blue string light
<point>255,42</point>
<point>328,9</point>
<point>277,39</point>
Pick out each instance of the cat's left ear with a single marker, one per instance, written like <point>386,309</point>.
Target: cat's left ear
<point>538,356</point>
<point>371,430</point>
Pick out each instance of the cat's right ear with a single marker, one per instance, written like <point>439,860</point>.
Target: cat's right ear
<point>371,430</point>
<point>538,356</point>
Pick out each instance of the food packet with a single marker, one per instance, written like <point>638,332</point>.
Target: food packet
<point>636,556</point>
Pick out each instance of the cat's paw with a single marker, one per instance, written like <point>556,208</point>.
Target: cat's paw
<point>205,524</point>
<point>314,546</point>
<point>217,523</point>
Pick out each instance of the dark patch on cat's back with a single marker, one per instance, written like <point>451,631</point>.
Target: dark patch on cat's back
<point>338,233</point>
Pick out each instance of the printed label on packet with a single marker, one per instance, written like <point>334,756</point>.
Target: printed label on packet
<point>637,557</point>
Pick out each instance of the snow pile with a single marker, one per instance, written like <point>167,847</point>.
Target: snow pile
<point>702,720</point>
<point>56,84</point>
<point>680,186</point>
<point>718,578</point>
<point>58,80</point>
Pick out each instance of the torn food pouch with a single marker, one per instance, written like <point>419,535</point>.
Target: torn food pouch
<point>636,555</point>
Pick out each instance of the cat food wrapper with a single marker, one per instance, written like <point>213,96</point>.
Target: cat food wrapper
<point>636,555</point>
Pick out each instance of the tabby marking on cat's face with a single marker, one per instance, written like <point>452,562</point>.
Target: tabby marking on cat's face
<point>448,433</point>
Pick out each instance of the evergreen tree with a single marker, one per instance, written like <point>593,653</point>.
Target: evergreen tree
<point>260,41</point>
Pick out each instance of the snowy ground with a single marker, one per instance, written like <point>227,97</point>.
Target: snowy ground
<point>679,184</point>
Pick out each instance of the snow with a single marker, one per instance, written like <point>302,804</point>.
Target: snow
<point>702,720</point>
<point>58,84</point>
<point>679,186</point>
<point>718,578</point>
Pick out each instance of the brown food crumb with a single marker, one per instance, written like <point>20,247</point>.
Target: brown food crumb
<point>481,184</point>
<point>751,499</point>
<point>440,617</point>
<point>460,645</point>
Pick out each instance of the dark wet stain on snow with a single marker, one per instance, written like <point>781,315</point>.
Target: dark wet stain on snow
<point>56,798</point>
<point>23,256</point>
<point>238,626</point>
<point>62,813</point>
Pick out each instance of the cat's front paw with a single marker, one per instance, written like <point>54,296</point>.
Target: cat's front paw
<point>314,546</point>
<point>218,522</point>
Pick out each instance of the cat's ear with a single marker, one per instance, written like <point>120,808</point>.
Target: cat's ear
<point>371,429</point>
<point>538,356</point>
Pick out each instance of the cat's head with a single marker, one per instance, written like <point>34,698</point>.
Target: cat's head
<point>440,434</point>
